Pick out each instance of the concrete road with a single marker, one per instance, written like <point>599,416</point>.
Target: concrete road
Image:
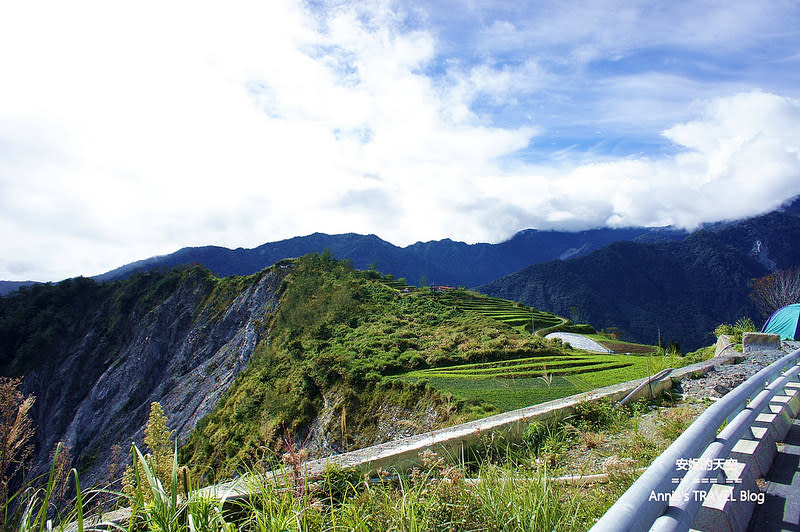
<point>579,341</point>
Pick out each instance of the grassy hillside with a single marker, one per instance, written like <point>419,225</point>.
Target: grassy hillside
<point>340,358</point>
<point>517,315</point>
<point>337,336</point>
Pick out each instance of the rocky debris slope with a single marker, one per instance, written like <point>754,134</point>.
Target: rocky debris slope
<point>724,377</point>
<point>183,353</point>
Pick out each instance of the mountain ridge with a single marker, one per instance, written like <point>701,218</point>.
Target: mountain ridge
<point>674,290</point>
<point>444,261</point>
<point>237,363</point>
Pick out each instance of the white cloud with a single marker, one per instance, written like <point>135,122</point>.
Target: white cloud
<point>129,131</point>
<point>740,158</point>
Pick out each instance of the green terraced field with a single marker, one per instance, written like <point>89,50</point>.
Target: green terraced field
<point>515,314</point>
<point>396,284</point>
<point>512,384</point>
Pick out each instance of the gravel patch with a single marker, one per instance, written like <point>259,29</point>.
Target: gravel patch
<point>724,377</point>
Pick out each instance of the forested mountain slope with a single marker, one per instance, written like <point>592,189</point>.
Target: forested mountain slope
<point>681,289</point>
<point>443,262</point>
<point>95,355</point>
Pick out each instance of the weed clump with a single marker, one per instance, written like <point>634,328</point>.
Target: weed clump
<point>736,330</point>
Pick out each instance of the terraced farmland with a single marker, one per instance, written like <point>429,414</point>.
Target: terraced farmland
<point>397,284</point>
<point>515,314</point>
<point>522,382</point>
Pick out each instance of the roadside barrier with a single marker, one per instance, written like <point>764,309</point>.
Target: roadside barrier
<point>706,479</point>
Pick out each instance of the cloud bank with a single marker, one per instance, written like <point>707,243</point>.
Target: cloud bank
<point>129,131</point>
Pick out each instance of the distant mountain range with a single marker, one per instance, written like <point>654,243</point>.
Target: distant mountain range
<point>645,281</point>
<point>6,287</point>
<point>443,262</point>
<point>676,290</point>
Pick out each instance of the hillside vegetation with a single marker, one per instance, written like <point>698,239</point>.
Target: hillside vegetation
<point>322,377</point>
<point>517,315</point>
<point>309,353</point>
<point>527,381</point>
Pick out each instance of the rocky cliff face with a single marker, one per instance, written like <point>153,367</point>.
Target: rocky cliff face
<point>96,386</point>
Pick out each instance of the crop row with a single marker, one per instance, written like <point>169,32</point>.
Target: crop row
<point>509,312</point>
<point>538,360</point>
<point>544,368</point>
<point>527,367</point>
<point>500,309</point>
<point>531,373</point>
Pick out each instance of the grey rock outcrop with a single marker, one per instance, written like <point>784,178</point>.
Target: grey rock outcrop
<point>184,353</point>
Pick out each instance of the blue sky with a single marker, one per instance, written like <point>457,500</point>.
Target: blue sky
<point>130,130</point>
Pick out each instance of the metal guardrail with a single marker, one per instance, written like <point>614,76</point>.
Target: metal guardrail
<point>637,509</point>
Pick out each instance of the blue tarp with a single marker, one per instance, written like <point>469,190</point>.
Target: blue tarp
<point>785,322</point>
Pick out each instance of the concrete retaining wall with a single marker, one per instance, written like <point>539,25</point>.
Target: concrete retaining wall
<point>405,453</point>
<point>752,341</point>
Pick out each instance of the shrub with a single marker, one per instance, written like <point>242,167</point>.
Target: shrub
<point>159,462</point>
<point>674,422</point>
<point>595,415</point>
<point>735,331</point>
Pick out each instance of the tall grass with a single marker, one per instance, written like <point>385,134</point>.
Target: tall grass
<point>437,498</point>
<point>33,508</point>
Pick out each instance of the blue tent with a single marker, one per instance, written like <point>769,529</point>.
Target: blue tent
<point>785,322</point>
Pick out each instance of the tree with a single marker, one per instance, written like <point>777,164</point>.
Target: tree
<point>776,290</point>
<point>16,432</point>
<point>327,256</point>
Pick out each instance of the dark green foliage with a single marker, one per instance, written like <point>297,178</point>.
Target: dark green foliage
<point>578,328</point>
<point>33,319</point>
<point>38,323</point>
<point>595,415</point>
<point>736,330</point>
<point>680,289</point>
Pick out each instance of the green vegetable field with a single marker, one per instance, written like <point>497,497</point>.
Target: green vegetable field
<point>515,314</point>
<point>512,384</point>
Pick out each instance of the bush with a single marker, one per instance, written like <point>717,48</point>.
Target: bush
<point>735,331</point>
<point>595,415</point>
<point>548,436</point>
